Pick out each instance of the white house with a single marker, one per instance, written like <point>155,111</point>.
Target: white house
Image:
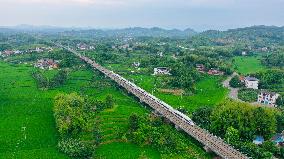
<point>251,82</point>
<point>268,98</point>
<point>162,71</point>
<point>136,64</point>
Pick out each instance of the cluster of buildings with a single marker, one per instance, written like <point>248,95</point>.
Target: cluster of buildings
<point>162,71</point>
<point>277,139</point>
<point>47,64</point>
<point>202,69</point>
<point>83,47</point>
<point>7,53</point>
<point>264,97</point>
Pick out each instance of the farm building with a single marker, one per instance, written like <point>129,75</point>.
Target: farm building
<point>278,139</point>
<point>200,68</point>
<point>215,72</point>
<point>268,98</point>
<point>258,140</point>
<point>162,71</point>
<point>136,64</point>
<point>47,64</point>
<point>251,82</point>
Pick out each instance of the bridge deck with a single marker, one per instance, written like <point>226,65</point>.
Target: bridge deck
<point>214,143</point>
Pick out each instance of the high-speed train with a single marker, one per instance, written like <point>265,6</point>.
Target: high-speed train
<point>138,89</point>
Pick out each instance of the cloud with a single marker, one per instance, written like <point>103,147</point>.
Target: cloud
<point>150,3</point>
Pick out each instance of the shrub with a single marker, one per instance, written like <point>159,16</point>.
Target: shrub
<point>75,148</point>
<point>248,95</point>
<point>235,82</point>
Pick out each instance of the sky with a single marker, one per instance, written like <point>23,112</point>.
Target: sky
<point>197,14</point>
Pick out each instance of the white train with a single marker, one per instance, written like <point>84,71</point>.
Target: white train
<point>140,90</point>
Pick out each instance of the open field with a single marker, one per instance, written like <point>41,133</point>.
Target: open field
<point>209,92</point>
<point>248,64</point>
<point>125,151</point>
<point>27,127</point>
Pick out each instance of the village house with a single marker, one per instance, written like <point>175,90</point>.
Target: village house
<point>267,98</point>
<point>251,82</point>
<point>162,71</point>
<point>47,64</point>
<point>125,46</point>
<point>215,72</point>
<point>244,53</point>
<point>258,140</point>
<point>7,53</point>
<point>200,68</point>
<point>136,64</point>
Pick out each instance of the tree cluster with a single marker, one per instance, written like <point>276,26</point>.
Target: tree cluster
<point>239,123</point>
<point>44,83</point>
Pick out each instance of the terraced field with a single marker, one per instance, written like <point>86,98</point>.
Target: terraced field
<point>27,127</point>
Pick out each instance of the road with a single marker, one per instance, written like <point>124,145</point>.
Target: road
<point>233,94</point>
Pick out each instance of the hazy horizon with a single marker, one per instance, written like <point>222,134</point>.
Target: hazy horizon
<point>111,14</point>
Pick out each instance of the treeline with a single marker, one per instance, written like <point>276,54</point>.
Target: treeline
<point>271,79</point>
<point>152,131</point>
<point>240,123</point>
<point>75,115</point>
<point>44,83</point>
<point>274,60</point>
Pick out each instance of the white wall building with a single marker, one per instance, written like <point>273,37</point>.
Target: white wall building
<point>267,98</point>
<point>251,82</point>
<point>161,71</point>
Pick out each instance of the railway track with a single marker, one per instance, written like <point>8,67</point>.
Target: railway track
<point>210,141</point>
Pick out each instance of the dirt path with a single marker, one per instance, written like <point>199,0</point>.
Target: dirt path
<point>233,91</point>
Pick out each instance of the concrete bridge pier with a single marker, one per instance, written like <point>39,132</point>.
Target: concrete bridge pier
<point>178,128</point>
<point>207,149</point>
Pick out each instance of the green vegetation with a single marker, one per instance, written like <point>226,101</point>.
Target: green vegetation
<point>275,59</point>
<point>248,64</point>
<point>248,95</point>
<point>251,121</point>
<point>235,82</point>
<point>26,121</point>
<point>208,92</point>
<point>271,79</point>
<point>118,150</point>
<point>150,131</point>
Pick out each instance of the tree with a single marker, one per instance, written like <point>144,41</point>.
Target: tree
<point>235,82</point>
<point>134,122</point>
<point>109,101</point>
<point>201,117</point>
<point>280,101</point>
<point>59,79</point>
<point>69,114</point>
<point>247,119</point>
<point>270,146</point>
<point>75,148</point>
<point>232,135</point>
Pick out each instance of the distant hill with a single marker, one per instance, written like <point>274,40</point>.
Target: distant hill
<point>134,32</point>
<point>259,34</point>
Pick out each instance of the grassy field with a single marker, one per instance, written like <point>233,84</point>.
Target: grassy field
<point>248,64</point>
<point>209,92</point>
<point>125,151</point>
<point>27,128</point>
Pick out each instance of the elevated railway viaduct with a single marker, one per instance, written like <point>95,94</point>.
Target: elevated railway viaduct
<point>210,141</point>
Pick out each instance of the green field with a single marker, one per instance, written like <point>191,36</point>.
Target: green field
<point>125,151</point>
<point>26,123</point>
<point>248,64</point>
<point>209,92</point>
<point>27,127</point>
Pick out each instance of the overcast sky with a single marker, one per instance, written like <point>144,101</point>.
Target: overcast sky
<point>196,14</point>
